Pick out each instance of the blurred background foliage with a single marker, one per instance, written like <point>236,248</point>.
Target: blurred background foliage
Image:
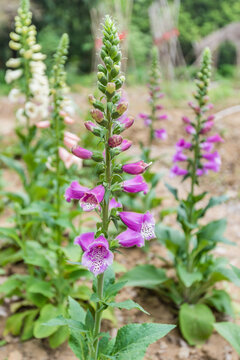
<point>52,17</point>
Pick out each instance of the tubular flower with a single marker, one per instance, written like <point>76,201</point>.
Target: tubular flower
<point>89,199</point>
<point>140,228</point>
<point>82,153</point>
<point>161,134</point>
<point>135,185</point>
<point>96,257</point>
<point>135,168</point>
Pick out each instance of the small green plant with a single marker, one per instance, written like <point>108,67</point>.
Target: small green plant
<point>192,289</point>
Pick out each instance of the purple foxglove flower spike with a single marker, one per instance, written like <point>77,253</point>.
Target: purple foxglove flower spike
<point>135,185</point>
<point>161,134</point>
<point>75,191</point>
<point>141,223</point>
<point>92,198</point>
<point>97,257</point>
<point>179,156</point>
<point>135,168</point>
<point>176,170</point>
<point>82,153</point>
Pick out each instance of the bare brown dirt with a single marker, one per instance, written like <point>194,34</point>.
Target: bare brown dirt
<point>172,347</point>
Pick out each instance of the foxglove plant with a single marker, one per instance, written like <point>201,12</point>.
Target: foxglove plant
<point>192,289</point>
<point>98,246</point>
<point>150,120</point>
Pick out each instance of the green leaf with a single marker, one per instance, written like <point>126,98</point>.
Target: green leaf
<point>171,238</point>
<point>196,323</point>
<point>172,190</point>
<point>41,287</point>
<point>147,276</point>
<point>214,232</point>
<point>115,288</point>
<point>11,234</point>
<point>188,278</point>
<point>10,285</point>
<point>221,301</point>
<point>230,332</point>
<point>47,312</point>
<point>59,337</point>
<point>215,200</point>
<point>223,273</point>
<point>15,322</point>
<point>75,310</point>
<point>132,340</point>
<point>78,344</point>
<point>62,321</point>
<point>127,304</point>
<point>15,165</point>
<point>27,332</point>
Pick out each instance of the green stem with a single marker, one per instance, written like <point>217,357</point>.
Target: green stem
<point>58,201</point>
<point>105,222</point>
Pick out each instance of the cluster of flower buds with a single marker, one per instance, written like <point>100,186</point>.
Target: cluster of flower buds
<point>201,144</point>
<point>62,109</point>
<point>33,90</point>
<point>109,122</point>
<point>155,95</point>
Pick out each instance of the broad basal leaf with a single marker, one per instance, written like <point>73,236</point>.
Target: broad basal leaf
<point>196,323</point>
<point>230,332</point>
<point>147,276</point>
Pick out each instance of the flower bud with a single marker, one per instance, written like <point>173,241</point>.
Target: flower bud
<point>91,99</point>
<point>115,71</point>
<point>13,62</point>
<point>102,78</point>
<point>97,115</point>
<point>14,36</point>
<point>135,168</point>
<point>90,126</point>
<point>14,45</point>
<point>82,153</point>
<point>43,124</point>
<point>121,108</point>
<point>111,87</point>
<point>115,140</point>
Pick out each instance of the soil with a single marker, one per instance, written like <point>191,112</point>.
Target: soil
<point>172,347</point>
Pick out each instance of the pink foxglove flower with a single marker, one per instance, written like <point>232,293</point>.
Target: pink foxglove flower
<point>125,145</point>
<point>135,168</point>
<point>97,257</point>
<point>179,156</point>
<point>176,170</point>
<point>215,139</point>
<point>186,120</point>
<point>126,122</point>
<point>190,130</point>
<point>161,134</point>
<point>183,144</point>
<point>207,127</point>
<point>206,146</point>
<point>68,120</point>
<point>81,152</point>
<point>113,204</point>
<point>90,126</point>
<point>135,185</point>
<point>44,124</point>
<point>88,199</point>
<point>68,158</point>
<point>140,228</point>
<point>162,117</point>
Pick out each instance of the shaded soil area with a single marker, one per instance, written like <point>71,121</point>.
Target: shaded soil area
<point>172,347</point>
